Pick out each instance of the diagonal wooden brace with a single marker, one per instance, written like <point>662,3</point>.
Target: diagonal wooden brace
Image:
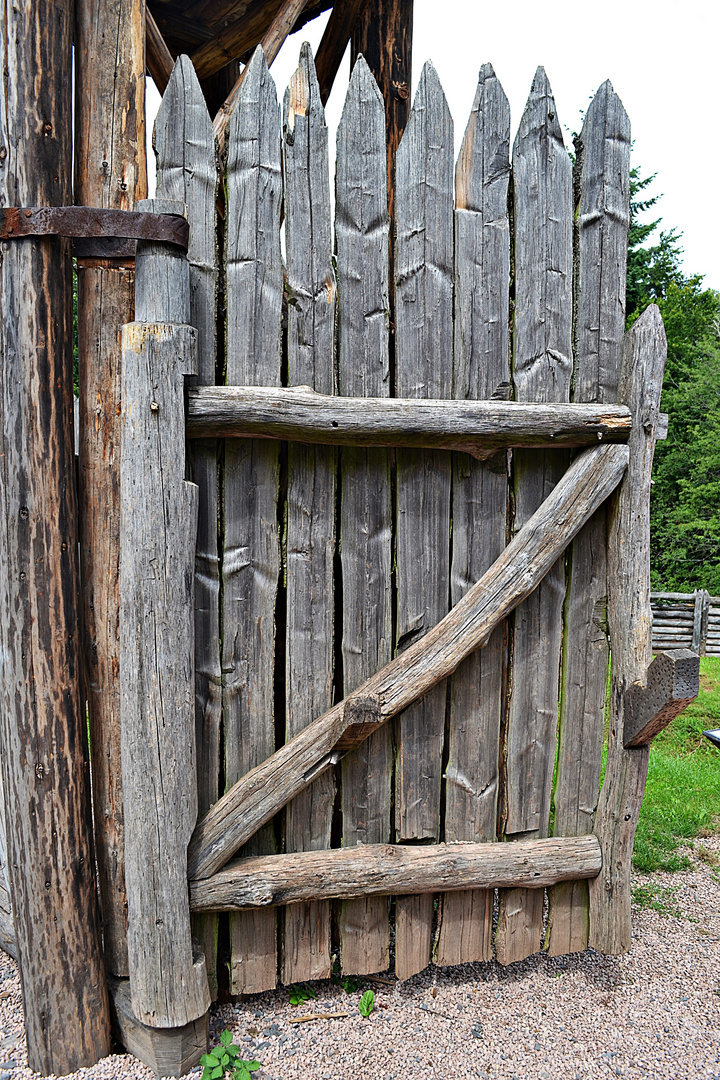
<point>673,681</point>
<point>264,791</point>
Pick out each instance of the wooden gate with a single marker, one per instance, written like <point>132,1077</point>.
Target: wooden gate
<point>401,445</point>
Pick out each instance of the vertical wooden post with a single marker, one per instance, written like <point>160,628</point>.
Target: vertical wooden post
<point>158,528</point>
<point>481,369</point>
<point>630,625</point>
<point>110,171</point>
<point>602,177</point>
<point>44,742</point>
<point>383,35</point>
<point>424,320</point>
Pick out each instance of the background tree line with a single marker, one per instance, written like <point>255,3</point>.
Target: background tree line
<point>685,505</point>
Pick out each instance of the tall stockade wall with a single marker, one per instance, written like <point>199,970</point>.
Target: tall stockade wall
<point>374,545</point>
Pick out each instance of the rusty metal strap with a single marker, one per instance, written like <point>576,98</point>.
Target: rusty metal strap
<point>97,232</point>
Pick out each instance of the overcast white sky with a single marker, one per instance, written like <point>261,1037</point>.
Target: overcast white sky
<point>663,60</point>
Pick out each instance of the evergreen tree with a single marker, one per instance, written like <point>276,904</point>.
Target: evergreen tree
<point>685,504</point>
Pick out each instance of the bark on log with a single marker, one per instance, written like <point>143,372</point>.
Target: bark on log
<point>630,625</point>
<point>384,869</point>
<point>523,564</point>
<point>42,715</point>
<point>480,428</point>
<point>110,172</point>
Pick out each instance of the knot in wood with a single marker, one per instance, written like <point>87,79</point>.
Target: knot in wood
<point>154,407</point>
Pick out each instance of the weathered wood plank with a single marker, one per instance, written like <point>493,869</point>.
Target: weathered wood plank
<point>42,714</point>
<point>423,342</point>
<point>362,235</point>
<point>110,171</point>
<point>187,171</point>
<point>542,369</point>
<point>8,938</point>
<point>250,535</point>
<point>382,869</point>
<point>479,428</point>
<point>158,525</point>
<point>171,1052</point>
<point>630,624</point>
<point>523,564</point>
<point>310,529</point>
<point>480,494</point>
<point>602,176</point>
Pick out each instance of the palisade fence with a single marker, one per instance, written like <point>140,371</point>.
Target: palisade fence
<point>686,621</point>
<point>370,581</point>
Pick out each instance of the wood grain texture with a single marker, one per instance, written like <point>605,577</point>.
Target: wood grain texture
<point>187,172</point>
<point>110,171</point>
<point>602,180</point>
<point>383,36</point>
<point>362,234</point>
<point>423,256</point>
<point>8,937</point>
<point>512,577</point>
<point>381,869</point>
<point>171,1052</point>
<point>630,624</point>
<point>42,715</point>
<point>480,494</point>
<point>479,428</point>
<point>158,524</point>
<point>310,529</point>
<point>673,681</point>
<point>542,369</point>
<point>249,528</point>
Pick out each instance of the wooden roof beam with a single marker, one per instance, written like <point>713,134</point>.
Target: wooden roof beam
<point>335,40</point>
<point>272,42</point>
<point>158,57</point>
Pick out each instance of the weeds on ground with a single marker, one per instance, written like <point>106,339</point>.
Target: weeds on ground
<point>301,993</point>
<point>682,797</point>
<point>225,1060</point>
<point>367,1003</point>
<point>658,898</point>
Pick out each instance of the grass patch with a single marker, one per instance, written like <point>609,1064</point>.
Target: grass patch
<point>662,898</point>
<point>682,797</point>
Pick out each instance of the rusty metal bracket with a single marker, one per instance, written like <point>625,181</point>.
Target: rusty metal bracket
<point>97,233</point>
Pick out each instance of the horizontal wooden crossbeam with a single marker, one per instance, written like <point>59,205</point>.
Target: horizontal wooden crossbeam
<point>387,869</point>
<point>673,681</point>
<point>263,791</point>
<point>480,428</point>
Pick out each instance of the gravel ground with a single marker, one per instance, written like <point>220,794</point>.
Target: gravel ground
<point>653,1013</point>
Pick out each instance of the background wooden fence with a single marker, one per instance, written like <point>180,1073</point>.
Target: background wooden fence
<point>686,620</point>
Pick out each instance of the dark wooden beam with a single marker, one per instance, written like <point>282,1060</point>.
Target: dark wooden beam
<point>50,854</point>
<point>673,681</point>
<point>159,59</point>
<point>338,32</point>
<point>383,35</point>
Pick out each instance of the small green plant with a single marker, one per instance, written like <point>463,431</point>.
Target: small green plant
<point>301,993</point>
<point>225,1059</point>
<point>367,1003</point>
<point>658,898</point>
<point>350,985</point>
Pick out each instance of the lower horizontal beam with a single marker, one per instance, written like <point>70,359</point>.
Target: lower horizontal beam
<point>480,428</point>
<point>386,869</point>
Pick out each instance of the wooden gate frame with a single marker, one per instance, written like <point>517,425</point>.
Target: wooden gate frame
<point>644,697</point>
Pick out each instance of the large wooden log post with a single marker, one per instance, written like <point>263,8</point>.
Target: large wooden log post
<point>44,743</point>
<point>110,171</point>
<point>158,528</point>
<point>630,625</point>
